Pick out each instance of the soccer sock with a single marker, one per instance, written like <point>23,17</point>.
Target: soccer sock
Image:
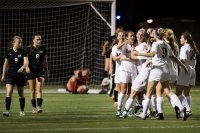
<point>115,95</point>
<point>159,104</point>
<point>8,103</point>
<point>171,102</point>
<point>39,102</point>
<point>105,74</point>
<point>128,104</point>
<point>189,100</point>
<point>120,100</point>
<point>153,102</point>
<point>186,104</point>
<point>22,103</point>
<point>145,105</point>
<point>177,101</point>
<point>33,102</point>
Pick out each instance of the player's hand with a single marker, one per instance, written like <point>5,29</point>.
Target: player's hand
<point>20,70</point>
<point>27,70</point>
<point>2,78</point>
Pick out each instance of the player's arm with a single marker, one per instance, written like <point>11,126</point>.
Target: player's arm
<point>180,63</point>
<point>5,65</point>
<point>105,45</point>
<point>25,65</point>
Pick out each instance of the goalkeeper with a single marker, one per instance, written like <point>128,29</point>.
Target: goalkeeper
<point>77,84</point>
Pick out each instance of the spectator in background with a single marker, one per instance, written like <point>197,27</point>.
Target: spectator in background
<point>15,62</point>
<point>77,84</point>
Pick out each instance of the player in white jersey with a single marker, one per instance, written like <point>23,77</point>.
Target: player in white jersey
<point>140,82</point>
<point>188,54</point>
<point>160,52</point>
<point>128,67</point>
<point>141,46</point>
<point>116,55</point>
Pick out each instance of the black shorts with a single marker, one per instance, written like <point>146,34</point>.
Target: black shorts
<point>18,79</point>
<point>35,74</point>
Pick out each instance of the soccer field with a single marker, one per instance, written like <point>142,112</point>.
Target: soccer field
<point>91,113</point>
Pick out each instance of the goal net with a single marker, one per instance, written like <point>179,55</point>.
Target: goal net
<point>73,33</point>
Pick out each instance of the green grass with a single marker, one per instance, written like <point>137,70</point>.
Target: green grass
<point>67,113</point>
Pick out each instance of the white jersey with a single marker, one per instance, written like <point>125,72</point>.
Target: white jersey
<point>188,54</point>
<point>128,66</point>
<point>173,69</point>
<point>142,47</point>
<point>160,71</point>
<point>117,52</point>
<point>163,51</point>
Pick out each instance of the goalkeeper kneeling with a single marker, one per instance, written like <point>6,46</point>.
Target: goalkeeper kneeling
<point>77,84</point>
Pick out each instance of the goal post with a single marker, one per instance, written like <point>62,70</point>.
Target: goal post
<point>72,30</point>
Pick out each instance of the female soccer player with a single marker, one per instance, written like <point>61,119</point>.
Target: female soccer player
<point>37,55</point>
<point>15,62</point>
<point>188,54</point>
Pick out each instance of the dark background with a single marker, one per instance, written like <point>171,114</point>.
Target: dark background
<point>180,16</point>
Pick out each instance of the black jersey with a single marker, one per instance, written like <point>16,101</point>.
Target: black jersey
<point>36,57</point>
<point>16,59</point>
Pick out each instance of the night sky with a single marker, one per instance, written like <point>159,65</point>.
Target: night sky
<point>132,13</point>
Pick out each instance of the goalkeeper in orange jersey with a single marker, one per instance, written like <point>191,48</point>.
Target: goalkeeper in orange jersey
<point>77,84</point>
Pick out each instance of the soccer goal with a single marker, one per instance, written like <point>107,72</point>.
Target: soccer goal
<point>72,30</point>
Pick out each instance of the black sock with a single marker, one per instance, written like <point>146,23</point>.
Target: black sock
<point>33,102</point>
<point>105,74</point>
<point>8,102</point>
<point>39,102</point>
<point>22,103</point>
<point>115,95</point>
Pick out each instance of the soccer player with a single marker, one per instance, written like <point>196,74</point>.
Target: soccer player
<point>77,84</point>
<point>37,55</point>
<point>188,54</point>
<point>160,52</point>
<point>15,62</point>
<point>116,55</point>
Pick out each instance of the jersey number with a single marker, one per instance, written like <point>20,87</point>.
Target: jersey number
<point>164,52</point>
<point>37,56</point>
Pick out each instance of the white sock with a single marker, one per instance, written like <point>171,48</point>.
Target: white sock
<point>189,100</point>
<point>171,102</point>
<point>128,105</point>
<point>153,102</point>
<point>185,103</point>
<point>145,104</point>
<point>177,101</point>
<point>120,100</point>
<point>160,104</point>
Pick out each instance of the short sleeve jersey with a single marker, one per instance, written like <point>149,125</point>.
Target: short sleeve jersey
<point>36,56</point>
<point>16,59</point>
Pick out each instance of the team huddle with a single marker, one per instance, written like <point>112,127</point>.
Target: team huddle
<point>21,64</point>
<point>147,69</point>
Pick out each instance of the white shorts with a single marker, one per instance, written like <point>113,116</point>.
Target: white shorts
<point>117,76</point>
<point>187,79</point>
<point>159,73</point>
<point>127,77</point>
<point>173,79</point>
<point>141,80</point>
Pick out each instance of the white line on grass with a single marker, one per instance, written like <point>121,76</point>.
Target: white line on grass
<point>101,128</point>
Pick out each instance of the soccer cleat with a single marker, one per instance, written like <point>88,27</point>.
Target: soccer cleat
<point>118,113</point>
<point>34,111</point>
<point>21,113</point>
<point>141,116</point>
<point>177,112</point>
<point>158,117</point>
<point>39,110</point>
<point>184,114</point>
<point>7,113</point>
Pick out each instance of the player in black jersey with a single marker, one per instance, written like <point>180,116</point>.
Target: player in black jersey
<point>15,62</point>
<point>37,67</point>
